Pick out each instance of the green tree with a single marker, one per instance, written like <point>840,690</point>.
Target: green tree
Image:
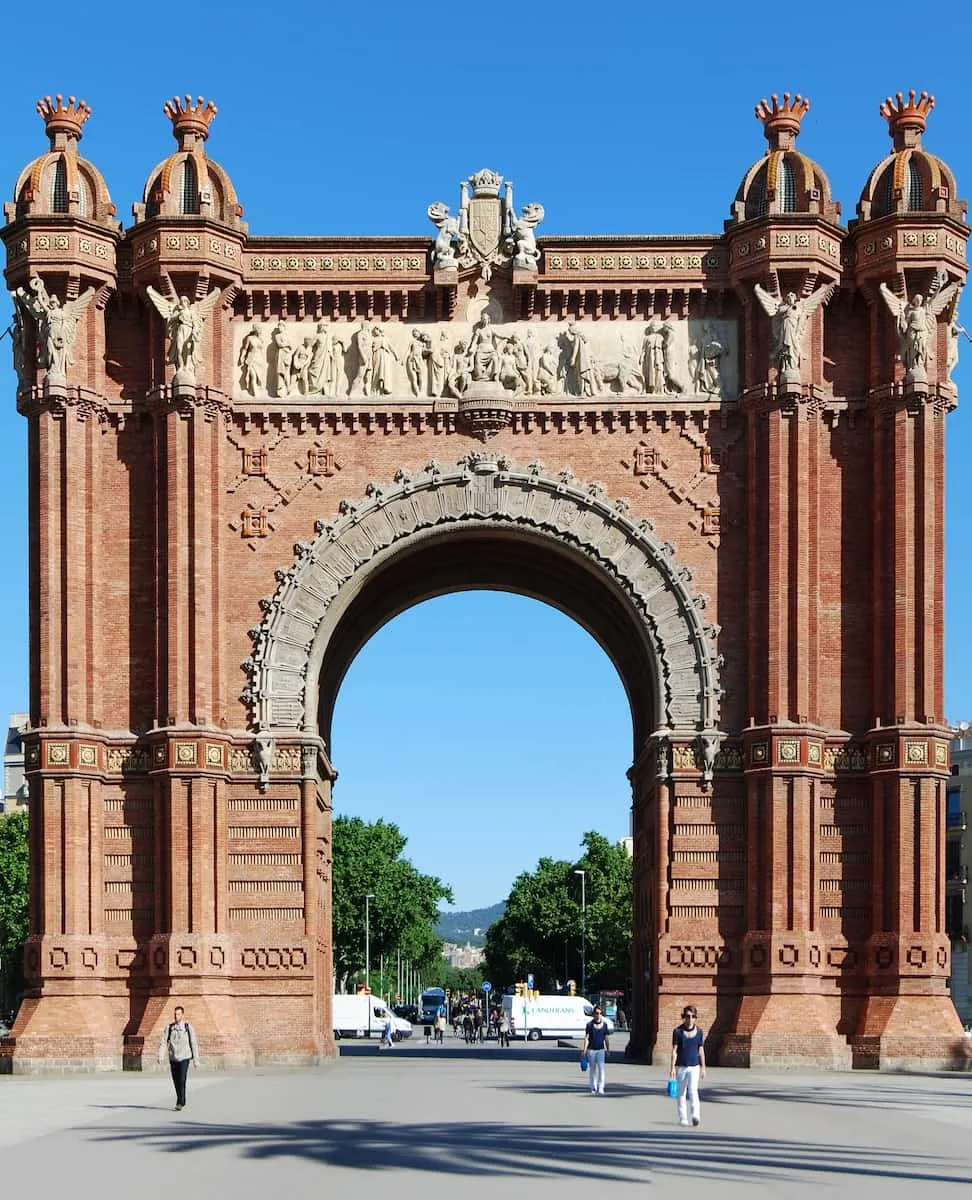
<point>404,911</point>
<point>13,904</point>
<point>541,930</point>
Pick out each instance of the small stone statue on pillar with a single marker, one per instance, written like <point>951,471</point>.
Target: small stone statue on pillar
<point>916,320</point>
<point>790,316</point>
<point>57,327</point>
<point>184,322</point>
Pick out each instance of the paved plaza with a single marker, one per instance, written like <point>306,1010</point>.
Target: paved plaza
<point>478,1121</point>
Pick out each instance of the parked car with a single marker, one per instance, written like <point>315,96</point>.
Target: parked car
<point>407,1012</point>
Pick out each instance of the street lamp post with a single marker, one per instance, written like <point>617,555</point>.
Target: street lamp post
<point>370,896</point>
<point>583,879</point>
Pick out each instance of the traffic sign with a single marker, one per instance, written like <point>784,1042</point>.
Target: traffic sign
<point>487,986</point>
<point>530,981</point>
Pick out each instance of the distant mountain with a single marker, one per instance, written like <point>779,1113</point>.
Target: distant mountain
<point>470,926</point>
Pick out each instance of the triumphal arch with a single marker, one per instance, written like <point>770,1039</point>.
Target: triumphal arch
<point>723,455</point>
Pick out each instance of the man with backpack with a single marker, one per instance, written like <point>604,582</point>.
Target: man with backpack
<point>179,1043</point>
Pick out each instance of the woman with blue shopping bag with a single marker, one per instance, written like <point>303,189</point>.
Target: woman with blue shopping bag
<point>688,1067</point>
<point>595,1051</point>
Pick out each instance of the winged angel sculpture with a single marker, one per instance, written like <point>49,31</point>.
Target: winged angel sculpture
<point>184,321</point>
<point>790,317</point>
<point>57,325</point>
<point>916,320</point>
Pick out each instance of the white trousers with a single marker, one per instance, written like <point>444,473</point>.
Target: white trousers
<point>596,1060</point>
<point>688,1089</point>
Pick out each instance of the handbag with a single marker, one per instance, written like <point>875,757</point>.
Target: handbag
<point>673,1088</point>
<point>584,1062</point>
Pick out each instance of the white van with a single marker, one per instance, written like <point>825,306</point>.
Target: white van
<point>550,1016</point>
<point>361,1016</point>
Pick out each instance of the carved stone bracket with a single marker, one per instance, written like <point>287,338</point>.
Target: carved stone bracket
<point>491,492</point>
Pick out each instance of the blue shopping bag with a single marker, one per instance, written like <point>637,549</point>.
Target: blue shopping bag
<point>673,1088</point>
<point>585,1062</point>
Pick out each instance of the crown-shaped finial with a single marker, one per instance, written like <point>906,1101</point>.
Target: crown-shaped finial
<point>188,118</point>
<point>781,122</point>
<point>906,121</point>
<point>64,119</point>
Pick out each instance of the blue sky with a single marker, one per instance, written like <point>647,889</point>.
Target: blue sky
<point>348,119</point>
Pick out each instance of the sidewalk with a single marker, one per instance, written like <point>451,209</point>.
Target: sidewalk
<point>480,1118</point>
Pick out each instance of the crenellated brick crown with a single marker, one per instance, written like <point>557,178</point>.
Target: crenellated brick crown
<point>906,121</point>
<point>61,118</point>
<point>189,118</point>
<point>781,122</point>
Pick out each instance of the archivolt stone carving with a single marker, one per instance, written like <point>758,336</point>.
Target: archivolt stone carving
<point>487,491</point>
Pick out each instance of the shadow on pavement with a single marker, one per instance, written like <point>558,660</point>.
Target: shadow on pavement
<point>860,1095</point>
<point>478,1148</point>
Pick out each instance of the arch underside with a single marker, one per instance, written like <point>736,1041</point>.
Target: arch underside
<point>486,524</point>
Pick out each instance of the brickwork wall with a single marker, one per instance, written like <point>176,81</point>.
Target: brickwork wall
<point>792,887</point>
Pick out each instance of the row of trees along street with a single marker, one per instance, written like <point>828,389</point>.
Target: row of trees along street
<point>541,931</point>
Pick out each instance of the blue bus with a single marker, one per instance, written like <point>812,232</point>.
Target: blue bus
<point>432,1000</point>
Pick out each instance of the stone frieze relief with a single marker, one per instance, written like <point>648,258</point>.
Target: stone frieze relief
<point>287,360</point>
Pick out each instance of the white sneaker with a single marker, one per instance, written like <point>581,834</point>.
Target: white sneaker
<point>683,1123</point>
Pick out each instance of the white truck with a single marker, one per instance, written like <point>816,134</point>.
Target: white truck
<point>550,1016</point>
<point>361,1016</point>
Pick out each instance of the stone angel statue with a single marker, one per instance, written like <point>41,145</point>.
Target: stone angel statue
<point>184,320</point>
<point>444,250</point>
<point>790,316</point>
<point>916,320</point>
<point>57,325</point>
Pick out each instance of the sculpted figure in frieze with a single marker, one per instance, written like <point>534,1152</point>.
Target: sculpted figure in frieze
<point>916,320</point>
<point>280,357</point>
<point>57,326</point>
<point>440,361</point>
<point>790,316</point>
<point>658,360</point>
<point>300,366</point>
<point>707,355</point>
<point>361,346</point>
<point>383,360</point>
<point>252,360</point>
<point>184,321</point>
<point>325,369</point>
<point>460,376</point>
<point>585,374</point>
<point>415,362</point>
<point>482,350</point>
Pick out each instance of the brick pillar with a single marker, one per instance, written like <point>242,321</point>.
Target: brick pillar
<point>649,813</point>
<point>908,1019</point>
<point>68,1016</point>
<point>789,1010</point>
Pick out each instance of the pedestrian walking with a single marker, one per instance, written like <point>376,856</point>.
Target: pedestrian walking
<point>440,1024</point>
<point>386,1042</point>
<point>688,1066</point>
<point>503,1028</point>
<point>180,1046</point>
<point>596,1047</point>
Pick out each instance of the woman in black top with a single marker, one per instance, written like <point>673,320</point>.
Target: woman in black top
<point>688,1065</point>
